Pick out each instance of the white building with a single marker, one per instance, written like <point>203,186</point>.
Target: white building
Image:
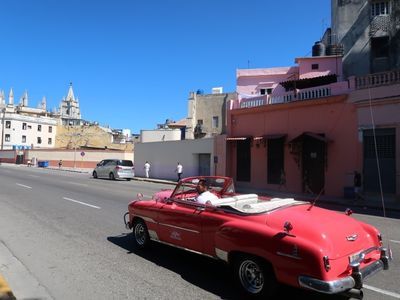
<point>24,127</point>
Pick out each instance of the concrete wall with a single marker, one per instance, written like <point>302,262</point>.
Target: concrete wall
<point>159,135</point>
<point>164,156</point>
<point>73,158</point>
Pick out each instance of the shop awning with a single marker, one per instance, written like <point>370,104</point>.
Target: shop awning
<point>238,138</point>
<point>309,82</point>
<point>313,135</point>
<point>270,137</point>
<point>275,136</point>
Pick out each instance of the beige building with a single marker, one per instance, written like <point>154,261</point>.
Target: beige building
<point>207,114</point>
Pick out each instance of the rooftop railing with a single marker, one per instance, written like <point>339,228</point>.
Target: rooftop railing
<point>377,79</point>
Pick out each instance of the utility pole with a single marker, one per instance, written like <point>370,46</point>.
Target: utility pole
<point>3,110</point>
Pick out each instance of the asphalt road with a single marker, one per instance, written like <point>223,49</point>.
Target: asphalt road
<point>64,231</point>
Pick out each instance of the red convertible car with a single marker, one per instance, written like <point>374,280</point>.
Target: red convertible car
<point>266,241</point>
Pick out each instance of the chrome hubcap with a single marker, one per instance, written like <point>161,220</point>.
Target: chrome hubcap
<point>251,276</point>
<point>140,234</point>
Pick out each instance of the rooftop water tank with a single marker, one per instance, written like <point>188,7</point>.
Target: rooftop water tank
<point>318,49</point>
<point>335,49</point>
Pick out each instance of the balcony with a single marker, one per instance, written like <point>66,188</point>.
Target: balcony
<point>314,93</point>
<point>377,79</point>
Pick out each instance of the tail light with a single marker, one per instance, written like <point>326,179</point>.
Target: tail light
<point>118,167</point>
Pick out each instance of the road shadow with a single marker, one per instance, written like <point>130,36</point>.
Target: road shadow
<point>206,273</point>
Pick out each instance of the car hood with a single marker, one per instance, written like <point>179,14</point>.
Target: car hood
<point>162,195</point>
<point>337,234</point>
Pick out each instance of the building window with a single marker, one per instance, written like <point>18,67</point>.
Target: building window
<point>199,122</point>
<point>8,124</point>
<point>7,138</point>
<point>39,140</point>
<point>314,67</point>
<point>380,47</point>
<point>266,91</point>
<point>49,141</point>
<point>24,139</point>
<point>50,129</point>
<point>380,8</point>
<point>23,126</point>
<point>215,122</point>
<point>39,128</point>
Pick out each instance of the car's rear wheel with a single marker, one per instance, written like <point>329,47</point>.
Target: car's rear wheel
<point>140,234</point>
<point>128,179</point>
<point>112,177</point>
<point>255,277</point>
<point>94,174</point>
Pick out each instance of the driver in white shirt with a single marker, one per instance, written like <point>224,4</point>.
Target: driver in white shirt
<point>204,196</point>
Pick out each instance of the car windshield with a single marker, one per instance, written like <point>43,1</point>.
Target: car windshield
<point>219,185</point>
<point>125,163</point>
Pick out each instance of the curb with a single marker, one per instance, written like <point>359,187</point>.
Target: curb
<point>5,291</point>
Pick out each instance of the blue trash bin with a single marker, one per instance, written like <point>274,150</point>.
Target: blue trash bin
<point>43,163</point>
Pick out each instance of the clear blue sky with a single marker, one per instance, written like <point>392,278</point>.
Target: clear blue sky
<point>133,63</point>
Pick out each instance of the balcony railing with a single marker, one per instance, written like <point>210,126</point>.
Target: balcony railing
<point>377,79</point>
<point>334,89</point>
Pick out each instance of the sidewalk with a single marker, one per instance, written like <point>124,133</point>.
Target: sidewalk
<point>21,283</point>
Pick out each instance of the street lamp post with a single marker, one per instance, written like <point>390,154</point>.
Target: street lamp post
<point>3,110</point>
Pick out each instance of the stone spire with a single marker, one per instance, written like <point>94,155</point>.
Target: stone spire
<point>70,96</point>
<point>2,98</point>
<point>24,99</point>
<point>11,97</point>
<point>43,103</point>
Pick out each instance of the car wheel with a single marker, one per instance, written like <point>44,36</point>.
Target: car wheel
<point>140,234</point>
<point>94,174</point>
<point>128,179</point>
<point>255,277</point>
<point>112,177</point>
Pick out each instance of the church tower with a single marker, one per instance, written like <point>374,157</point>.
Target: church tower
<point>69,109</point>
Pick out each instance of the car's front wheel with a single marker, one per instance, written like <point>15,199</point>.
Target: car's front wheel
<point>94,174</point>
<point>255,277</point>
<point>141,236</point>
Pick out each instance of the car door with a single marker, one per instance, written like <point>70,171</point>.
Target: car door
<point>100,168</point>
<point>179,224</point>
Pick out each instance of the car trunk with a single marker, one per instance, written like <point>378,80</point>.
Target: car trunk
<point>337,234</point>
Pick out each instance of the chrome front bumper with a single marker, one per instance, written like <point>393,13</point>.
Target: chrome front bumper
<point>127,223</point>
<point>355,280</point>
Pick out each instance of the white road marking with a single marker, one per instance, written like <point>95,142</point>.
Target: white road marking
<point>23,185</point>
<point>393,241</point>
<point>77,183</point>
<point>83,203</point>
<point>378,290</point>
<point>33,175</point>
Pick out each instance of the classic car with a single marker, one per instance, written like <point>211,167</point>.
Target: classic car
<point>267,241</point>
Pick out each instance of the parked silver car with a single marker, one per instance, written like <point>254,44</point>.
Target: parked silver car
<point>114,169</point>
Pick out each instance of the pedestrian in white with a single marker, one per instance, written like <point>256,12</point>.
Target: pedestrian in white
<point>179,170</point>
<point>147,169</point>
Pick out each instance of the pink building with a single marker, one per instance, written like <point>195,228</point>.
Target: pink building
<point>293,129</point>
